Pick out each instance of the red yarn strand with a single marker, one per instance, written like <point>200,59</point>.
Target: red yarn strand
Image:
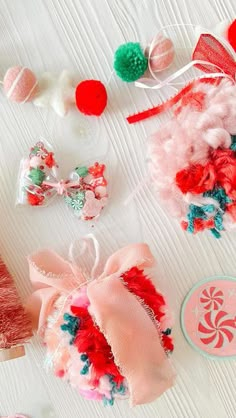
<point>168,104</point>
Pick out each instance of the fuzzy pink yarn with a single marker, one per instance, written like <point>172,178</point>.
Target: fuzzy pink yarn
<point>189,137</point>
<point>20,84</point>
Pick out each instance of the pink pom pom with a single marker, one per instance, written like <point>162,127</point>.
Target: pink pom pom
<point>162,54</point>
<point>20,84</point>
<point>35,162</point>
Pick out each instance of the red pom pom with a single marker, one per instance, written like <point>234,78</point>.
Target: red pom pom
<point>232,34</point>
<point>34,199</point>
<point>91,97</point>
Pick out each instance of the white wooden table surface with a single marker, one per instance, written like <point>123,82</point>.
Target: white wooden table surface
<point>81,36</point>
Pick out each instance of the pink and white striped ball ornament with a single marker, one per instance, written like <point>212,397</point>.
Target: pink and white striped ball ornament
<point>161,54</point>
<point>20,84</point>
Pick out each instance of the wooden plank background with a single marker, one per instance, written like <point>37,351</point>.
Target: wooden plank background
<point>81,36</point>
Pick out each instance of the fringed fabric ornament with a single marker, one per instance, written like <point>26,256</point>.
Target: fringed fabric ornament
<point>85,191</point>
<point>15,324</point>
<point>91,329</point>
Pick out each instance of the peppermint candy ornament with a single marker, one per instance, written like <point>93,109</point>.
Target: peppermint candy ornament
<point>208,317</point>
<point>85,191</point>
<point>216,329</point>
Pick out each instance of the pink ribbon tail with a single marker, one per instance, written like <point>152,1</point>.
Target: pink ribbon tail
<point>126,325</point>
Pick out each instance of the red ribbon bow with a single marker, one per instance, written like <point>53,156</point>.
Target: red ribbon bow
<point>209,49</point>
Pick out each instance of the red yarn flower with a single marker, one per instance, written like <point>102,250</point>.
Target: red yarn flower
<point>224,161</point>
<point>196,178</point>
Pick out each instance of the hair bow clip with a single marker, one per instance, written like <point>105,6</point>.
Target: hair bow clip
<point>85,190</point>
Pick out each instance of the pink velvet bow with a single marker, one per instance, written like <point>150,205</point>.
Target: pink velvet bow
<point>128,328</point>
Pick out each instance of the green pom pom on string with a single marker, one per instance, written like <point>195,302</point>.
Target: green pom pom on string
<point>37,176</point>
<point>130,62</point>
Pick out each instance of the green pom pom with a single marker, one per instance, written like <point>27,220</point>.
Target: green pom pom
<point>37,176</point>
<point>130,62</point>
<point>82,171</point>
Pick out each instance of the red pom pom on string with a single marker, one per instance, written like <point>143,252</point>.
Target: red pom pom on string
<point>231,34</point>
<point>91,97</point>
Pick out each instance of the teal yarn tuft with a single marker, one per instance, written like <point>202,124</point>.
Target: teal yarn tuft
<point>200,214</point>
<point>72,326</point>
<point>220,196</point>
<point>115,389</point>
<point>130,62</point>
<point>233,145</point>
<point>167,331</point>
<point>215,233</point>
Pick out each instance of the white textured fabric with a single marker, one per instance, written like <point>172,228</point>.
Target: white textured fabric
<point>81,36</point>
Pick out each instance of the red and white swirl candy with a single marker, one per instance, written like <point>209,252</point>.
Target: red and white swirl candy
<point>212,298</point>
<point>217,329</point>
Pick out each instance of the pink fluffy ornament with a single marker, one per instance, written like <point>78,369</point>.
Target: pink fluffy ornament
<point>20,84</point>
<point>161,54</point>
<point>192,159</point>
